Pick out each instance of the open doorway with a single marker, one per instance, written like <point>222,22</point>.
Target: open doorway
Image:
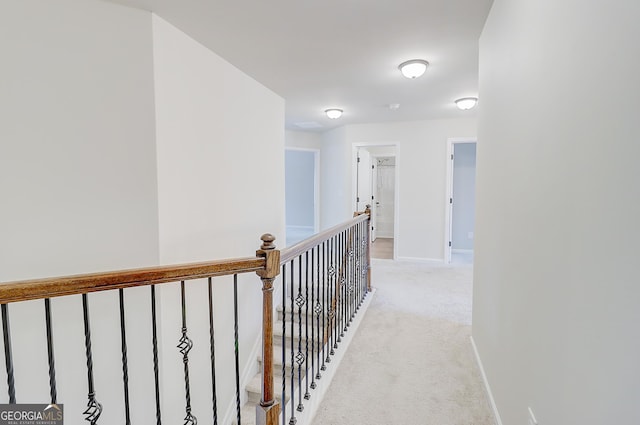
<point>376,185</point>
<point>462,201</point>
<point>301,194</point>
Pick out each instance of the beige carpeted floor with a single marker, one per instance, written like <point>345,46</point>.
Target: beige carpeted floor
<point>411,362</point>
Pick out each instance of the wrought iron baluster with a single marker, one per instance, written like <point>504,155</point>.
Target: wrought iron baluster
<point>212,346</point>
<point>236,344</point>
<point>284,341</point>
<point>307,395</point>
<point>300,301</point>
<point>154,342</point>
<point>125,367</point>
<point>293,419</point>
<point>50,357</point>
<point>94,409</point>
<point>313,311</point>
<point>324,305</point>
<point>8,358</point>
<point>185,344</point>
<point>334,297</point>
<point>341,251</point>
<point>318,311</point>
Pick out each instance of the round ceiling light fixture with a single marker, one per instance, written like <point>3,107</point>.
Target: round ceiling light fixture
<point>413,68</point>
<point>466,103</point>
<point>333,113</point>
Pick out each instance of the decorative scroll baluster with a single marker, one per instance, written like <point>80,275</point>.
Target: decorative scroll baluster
<point>8,358</point>
<point>236,344</point>
<point>154,341</point>
<point>185,344</point>
<point>307,395</point>
<point>125,367</point>
<point>212,346</point>
<point>334,297</point>
<point>293,419</point>
<point>284,341</point>
<point>300,301</point>
<point>50,357</point>
<point>318,311</point>
<point>94,409</point>
<point>313,313</point>
<point>325,305</point>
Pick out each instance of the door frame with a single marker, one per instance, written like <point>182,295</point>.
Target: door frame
<point>448,216</point>
<point>316,184</point>
<point>396,200</point>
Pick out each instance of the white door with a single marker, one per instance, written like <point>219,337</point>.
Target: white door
<point>374,199</point>
<point>363,191</point>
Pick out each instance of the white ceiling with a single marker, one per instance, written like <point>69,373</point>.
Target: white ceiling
<point>343,53</point>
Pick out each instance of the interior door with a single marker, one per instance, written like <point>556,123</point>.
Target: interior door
<point>374,199</point>
<point>363,191</point>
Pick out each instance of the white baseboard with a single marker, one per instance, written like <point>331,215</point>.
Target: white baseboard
<point>487,387</point>
<point>421,260</point>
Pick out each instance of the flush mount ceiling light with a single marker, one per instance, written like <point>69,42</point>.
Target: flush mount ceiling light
<point>413,68</point>
<point>466,103</point>
<point>333,113</point>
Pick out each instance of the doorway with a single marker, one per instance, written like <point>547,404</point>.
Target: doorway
<point>462,201</point>
<point>376,185</point>
<point>301,194</point>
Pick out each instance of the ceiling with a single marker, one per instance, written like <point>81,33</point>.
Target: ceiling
<point>343,53</point>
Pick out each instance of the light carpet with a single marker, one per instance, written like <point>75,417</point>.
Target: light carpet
<point>411,361</point>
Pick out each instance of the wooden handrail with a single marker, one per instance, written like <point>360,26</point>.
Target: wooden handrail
<point>94,282</point>
<point>292,252</point>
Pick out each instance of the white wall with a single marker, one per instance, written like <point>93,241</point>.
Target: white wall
<point>302,139</point>
<point>464,195</point>
<point>556,294</point>
<point>77,189</point>
<point>421,173</point>
<point>220,186</point>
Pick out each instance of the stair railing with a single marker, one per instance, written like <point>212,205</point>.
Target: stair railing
<point>325,280</point>
<point>335,262</point>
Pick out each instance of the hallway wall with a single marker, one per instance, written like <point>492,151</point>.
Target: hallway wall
<point>556,294</point>
<point>421,173</point>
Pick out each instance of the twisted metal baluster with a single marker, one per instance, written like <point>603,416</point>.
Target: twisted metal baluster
<point>154,341</point>
<point>50,356</point>
<point>324,307</point>
<point>94,409</point>
<point>300,301</point>
<point>333,312</point>
<point>307,395</point>
<point>125,368</point>
<point>293,419</point>
<point>185,344</point>
<point>213,354</point>
<point>236,343</point>
<point>8,358</point>
<point>284,339</point>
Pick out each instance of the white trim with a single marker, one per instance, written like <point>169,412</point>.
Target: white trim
<point>396,216</point>
<point>421,259</point>
<point>496,414</point>
<point>316,184</point>
<point>461,251</point>
<point>448,213</point>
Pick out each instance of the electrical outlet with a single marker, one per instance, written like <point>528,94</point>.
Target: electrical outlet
<point>532,418</point>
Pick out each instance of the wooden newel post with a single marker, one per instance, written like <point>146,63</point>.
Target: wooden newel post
<point>367,211</point>
<point>268,412</point>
